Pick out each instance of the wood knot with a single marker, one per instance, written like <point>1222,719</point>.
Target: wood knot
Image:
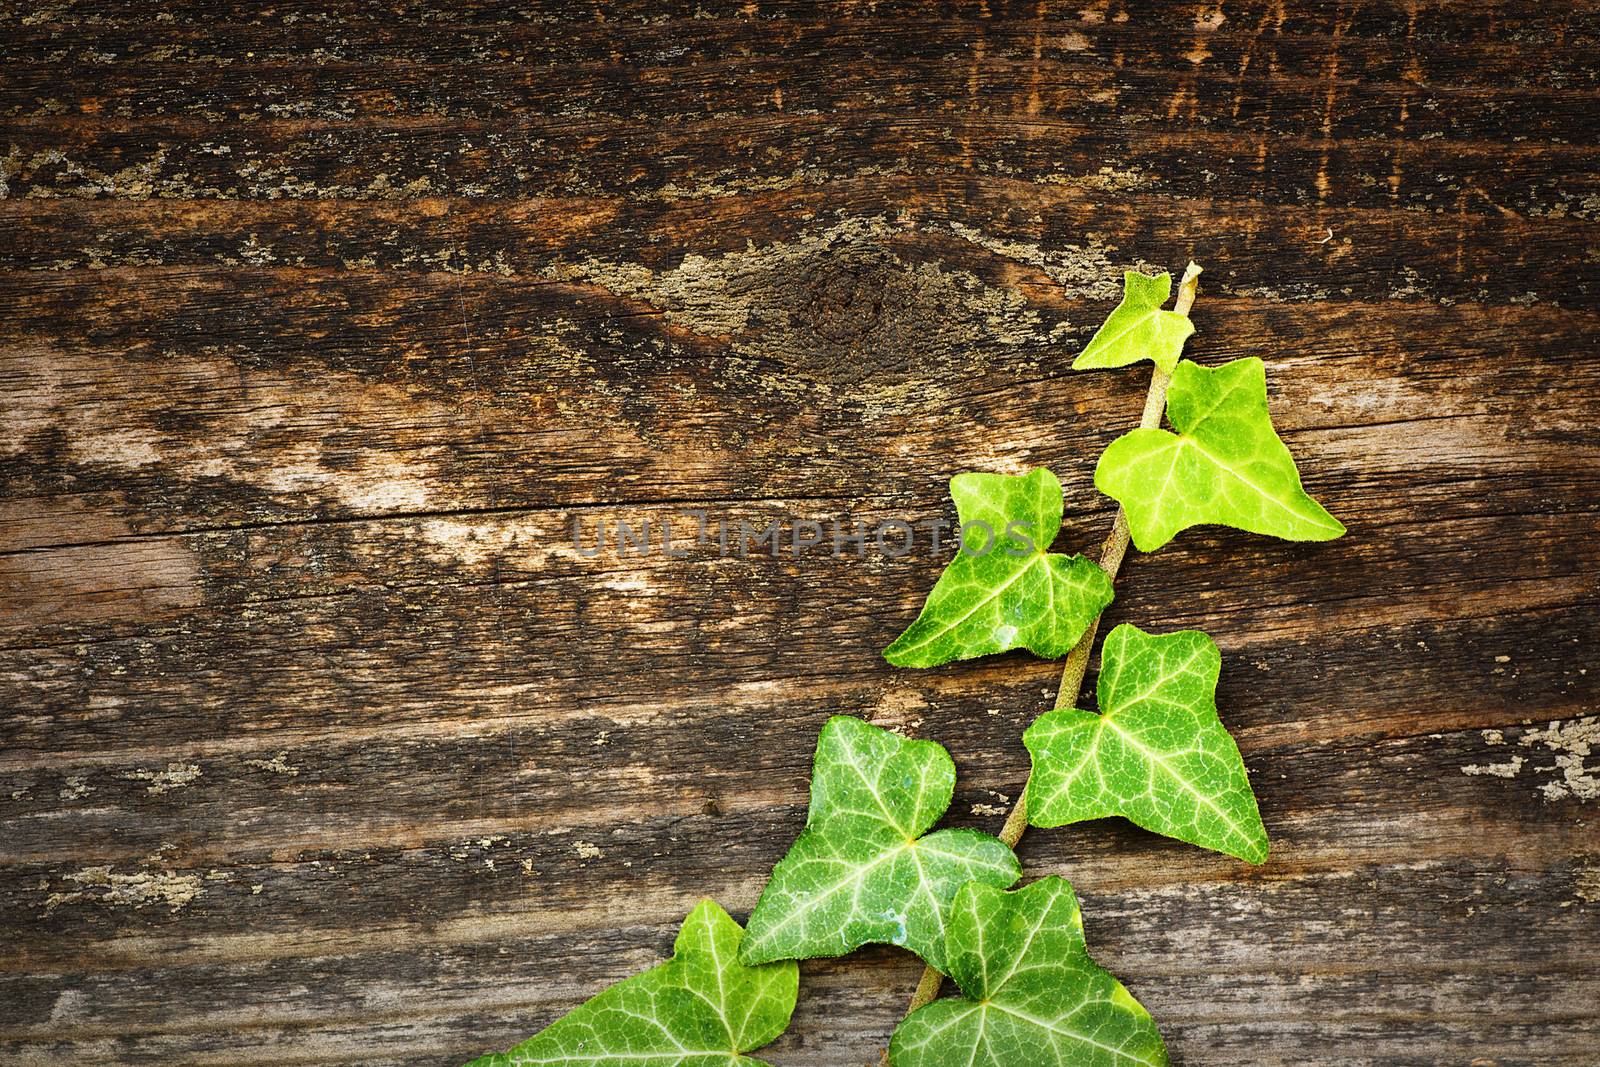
<point>858,315</point>
<point>845,298</point>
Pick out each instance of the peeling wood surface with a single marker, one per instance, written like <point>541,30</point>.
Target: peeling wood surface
<point>322,745</point>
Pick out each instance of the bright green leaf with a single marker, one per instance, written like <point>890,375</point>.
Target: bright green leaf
<point>1004,590</point>
<point>861,870</point>
<point>1138,328</point>
<point>1224,465</point>
<point>701,1008</point>
<point>1033,995</point>
<point>1156,754</point>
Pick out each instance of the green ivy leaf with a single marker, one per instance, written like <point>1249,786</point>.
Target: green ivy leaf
<point>701,1008</point>
<point>1224,465</point>
<point>1138,328</point>
<point>1013,595</point>
<point>1157,753</point>
<point>1033,995</point>
<point>861,870</point>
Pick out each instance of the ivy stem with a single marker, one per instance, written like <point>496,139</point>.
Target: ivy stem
<point>1112,552</point>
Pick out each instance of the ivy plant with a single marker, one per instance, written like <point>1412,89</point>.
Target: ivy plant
<point>869,867</point>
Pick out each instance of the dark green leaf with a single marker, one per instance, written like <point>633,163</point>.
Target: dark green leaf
<point>1034,998</point>
<point>861,871</point>
<point>702,1008</point>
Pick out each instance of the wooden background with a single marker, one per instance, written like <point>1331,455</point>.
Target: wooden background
<point>320,323</point>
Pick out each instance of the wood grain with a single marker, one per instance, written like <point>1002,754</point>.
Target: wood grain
<point>324,323</point>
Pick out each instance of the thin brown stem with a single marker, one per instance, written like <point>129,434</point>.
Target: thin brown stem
<point>1112,552</point>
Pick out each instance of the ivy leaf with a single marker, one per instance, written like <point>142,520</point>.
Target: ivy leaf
<point>861,871</point>
<point>1138,328</point>
<point>1225,464</point>
<point>701,1008</point>
<point>1157,753</point>
<point>1004,590</point>
<point>1033,995</point>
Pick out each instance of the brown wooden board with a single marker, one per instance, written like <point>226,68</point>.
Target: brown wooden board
<point>320,324</point>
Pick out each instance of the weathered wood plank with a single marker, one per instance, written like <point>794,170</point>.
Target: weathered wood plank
<point>65,156</point>
<point>1059,241</point>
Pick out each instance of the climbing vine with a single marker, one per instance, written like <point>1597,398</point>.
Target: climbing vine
<point>867,869</point>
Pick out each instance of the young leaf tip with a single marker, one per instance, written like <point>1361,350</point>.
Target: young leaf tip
<point>1138,328</point>
<point>1152,289</point>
